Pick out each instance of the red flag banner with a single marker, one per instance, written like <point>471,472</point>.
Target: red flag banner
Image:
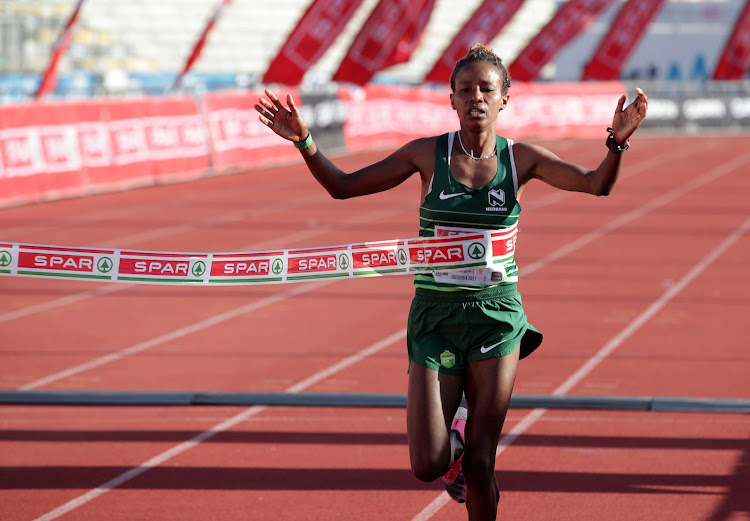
<point>218,10</point>
<point>316,31</point>
<point>569,21</point>
<point>49,77</point>
<point>735,58</point>
<point>624,33</point>
<point>389,36</point>
<point>483,25</point>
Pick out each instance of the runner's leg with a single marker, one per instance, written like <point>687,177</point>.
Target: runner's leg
<point>431,402</point>
<point>489,384</point>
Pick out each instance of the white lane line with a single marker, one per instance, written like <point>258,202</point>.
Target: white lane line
<point>216,429</point>
<point>176,333</point>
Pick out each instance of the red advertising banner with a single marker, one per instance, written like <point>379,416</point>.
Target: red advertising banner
<point>237,139</point>
<point>483,25</point>
<point>389,36</point>
<point>50,150</point>
<point>49,76</point>
<point>569,21</point>
<point>735,58</point>
<point>315,32</point>
<point>389,116</point>
<point>625,32</point>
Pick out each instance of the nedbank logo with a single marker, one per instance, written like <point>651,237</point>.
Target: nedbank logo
<point>497,197</point>
<point>447,359</point>
<point>5,258</point>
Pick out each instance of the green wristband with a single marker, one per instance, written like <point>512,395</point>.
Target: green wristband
<point>305,143</point>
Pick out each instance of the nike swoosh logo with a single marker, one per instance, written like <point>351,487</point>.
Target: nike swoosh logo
<point>490,348</point>
<point>443,196</point>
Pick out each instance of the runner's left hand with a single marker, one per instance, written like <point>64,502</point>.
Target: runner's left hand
<point>627,120</point>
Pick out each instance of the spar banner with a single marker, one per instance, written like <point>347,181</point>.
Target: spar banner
<point>51,150</point>
<point>480,258</point>
<point>237,139</point>
<point>315,32</point>
<point>389,36</point>
<point>735,58</point>
<point>572,18</point>
<point>624,33</point>
<point>483,25</point>
<point>388,116</point>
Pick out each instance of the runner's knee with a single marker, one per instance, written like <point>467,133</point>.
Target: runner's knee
<point>428,467</point>
<point>478,465</point>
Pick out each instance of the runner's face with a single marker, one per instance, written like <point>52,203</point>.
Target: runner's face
<point>478,97</point>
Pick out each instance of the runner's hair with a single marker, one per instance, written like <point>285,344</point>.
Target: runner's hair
<point>479,53</point>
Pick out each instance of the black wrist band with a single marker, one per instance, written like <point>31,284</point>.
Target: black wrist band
<point>612,144</point>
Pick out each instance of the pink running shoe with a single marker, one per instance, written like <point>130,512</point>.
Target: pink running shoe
<point>454,478</point>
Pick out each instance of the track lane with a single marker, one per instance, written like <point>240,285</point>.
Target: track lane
<point>401,365</point>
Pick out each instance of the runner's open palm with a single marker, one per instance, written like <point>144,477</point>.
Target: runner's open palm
<point>287,123</point>
<point>627,120</point>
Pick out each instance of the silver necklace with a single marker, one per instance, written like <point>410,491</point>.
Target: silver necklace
<point>460,142</point>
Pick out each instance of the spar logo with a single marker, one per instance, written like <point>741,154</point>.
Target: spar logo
<point>476,250</point>
<point>377,258</point>
<point>161,267</point>
<point>105,265</point>
<point>5,258</point>
<point>437,254</point>
<point>56,262</point>
<point>245,267</point>
<point>314,263</point>
<point>198,269</point>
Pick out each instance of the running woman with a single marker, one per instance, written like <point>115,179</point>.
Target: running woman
<point>464,338</point>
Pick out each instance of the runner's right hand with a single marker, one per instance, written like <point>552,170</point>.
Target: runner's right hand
<point>287,123</point>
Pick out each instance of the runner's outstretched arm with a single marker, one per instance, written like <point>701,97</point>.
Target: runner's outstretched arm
<point>383,175</point>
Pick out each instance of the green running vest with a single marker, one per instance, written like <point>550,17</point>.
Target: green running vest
<point>450,203</point>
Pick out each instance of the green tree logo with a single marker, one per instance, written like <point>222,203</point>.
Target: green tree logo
<point>402,256</point>
<point>199,268</point>
<point>476,250</point>
<point>344,261</point>
<point>105,265</point>
<point>278,267</point>
<point>5,258</point>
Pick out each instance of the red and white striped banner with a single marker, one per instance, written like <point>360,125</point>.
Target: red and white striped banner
<point>483,25</point>
<point>735,58</point>
<point>316,31</point>
<point>389,36</point>
<point>484,251</point>
<point>625,32</point>
<point>569,21</point>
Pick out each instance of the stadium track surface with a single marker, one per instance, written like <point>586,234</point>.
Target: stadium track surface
<point>640,294</point>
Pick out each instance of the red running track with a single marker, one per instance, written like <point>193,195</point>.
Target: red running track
<point>641,293</point>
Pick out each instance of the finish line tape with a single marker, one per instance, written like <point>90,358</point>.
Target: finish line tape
<point>479,257</point>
